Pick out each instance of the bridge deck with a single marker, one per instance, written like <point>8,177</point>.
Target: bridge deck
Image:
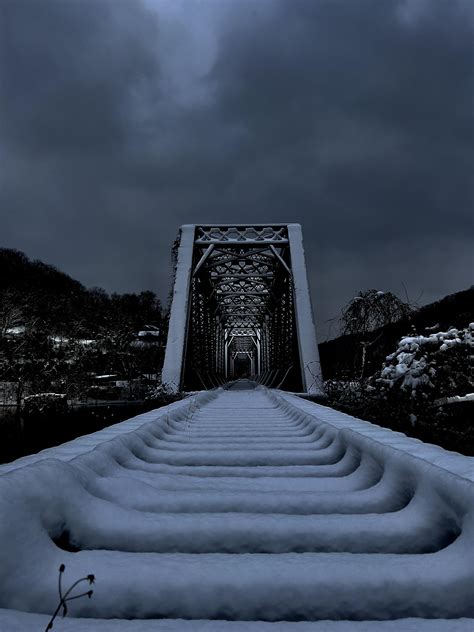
<point>241,509</point>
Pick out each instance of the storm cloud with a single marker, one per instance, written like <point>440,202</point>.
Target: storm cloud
<point>121,120</point>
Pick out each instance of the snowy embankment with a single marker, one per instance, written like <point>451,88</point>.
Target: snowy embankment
<point>240,510</point>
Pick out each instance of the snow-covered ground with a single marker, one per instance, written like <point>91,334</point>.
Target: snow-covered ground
<point>240,510</point>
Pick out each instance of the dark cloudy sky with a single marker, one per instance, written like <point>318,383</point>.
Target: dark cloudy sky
<point>122,119</point>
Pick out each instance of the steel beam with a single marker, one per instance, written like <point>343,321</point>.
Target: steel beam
<point>179,316</point>
<point>306,332</point>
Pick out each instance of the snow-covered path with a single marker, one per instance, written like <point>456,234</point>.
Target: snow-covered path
<point>241,509</point>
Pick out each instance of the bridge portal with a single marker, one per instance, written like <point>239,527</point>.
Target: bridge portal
<point>241,308</point>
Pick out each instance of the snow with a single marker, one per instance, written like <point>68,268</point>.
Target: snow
<point>151,332</point>
<point>144,343</point>
<point>15,331</point>
<point>59,340</point>
<point>86,342</point>
<point>460,398</point>
<point>24,622</point>
<point>410,367</point>
<point>173,362</point>
<point>42,395</point>
<point>308,347</point>
<point>252,505</point>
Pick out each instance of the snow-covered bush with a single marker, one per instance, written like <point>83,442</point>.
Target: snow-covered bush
<point>162,394</point>
<point>162,390</point>
<point>422,371</point>
<point>432,366</point>
<point>44,404</point>
<point>415,389</point>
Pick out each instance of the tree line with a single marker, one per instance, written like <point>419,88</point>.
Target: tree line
<point>57,336</point>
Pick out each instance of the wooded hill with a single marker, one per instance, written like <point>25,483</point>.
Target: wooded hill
<point>33,291</point>
<point>56,336</point>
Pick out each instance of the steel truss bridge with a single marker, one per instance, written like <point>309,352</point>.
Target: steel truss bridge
<point>240,510</point>
<point>241,307</point>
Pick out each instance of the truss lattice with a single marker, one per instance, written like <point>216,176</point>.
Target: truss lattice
<point>239,315</point>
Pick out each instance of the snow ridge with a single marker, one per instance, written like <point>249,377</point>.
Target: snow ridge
<point>241,509</point>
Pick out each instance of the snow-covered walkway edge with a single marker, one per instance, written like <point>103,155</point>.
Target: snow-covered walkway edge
<point>22,622</point>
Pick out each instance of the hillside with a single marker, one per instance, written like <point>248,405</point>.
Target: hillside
<point>57,336</point>
<point>18,272</point>
<point>35,292</point>
<point>38,291</point>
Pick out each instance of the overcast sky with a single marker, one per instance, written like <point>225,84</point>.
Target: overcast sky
<point>122,119</point>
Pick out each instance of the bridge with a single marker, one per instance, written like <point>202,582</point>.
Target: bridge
<point>241,306</point>
<point>240,507</point>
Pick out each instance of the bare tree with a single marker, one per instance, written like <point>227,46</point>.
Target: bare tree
<point>11,315</point>
<point>367,313</point>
